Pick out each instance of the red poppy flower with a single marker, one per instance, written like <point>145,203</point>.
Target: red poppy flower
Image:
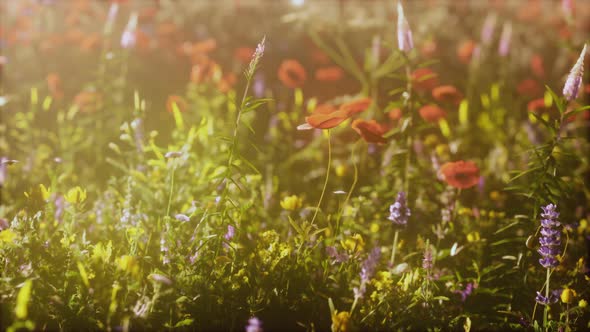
<point>460,174</point>
<point>356,106</point>
<point>529,11</point>
<point>432,113</point>
<point>166,29</point>
<point>319,57</point>
<point>143,41</point>
<point>326,116</point>
<point>370,131</point>
<point>395,114</point>
<point>227,82</point>
<point>329,74</point>
<point>204,70</point>
<point>90,42</point>
<point>292,74</point>
<point>244,54</point>
<point>424,79</point>
<point>537,65</point>
<point>74,35</point>
<point>54,85</point>
<point>429,49</point>
<point>447,93</point>
<point>178,100</point>
<point>465,51</point>
<point>147,14</point>
<point>88,101</point>
<point>204,47</point>
<point>530,88</point>
<point>537,106</point>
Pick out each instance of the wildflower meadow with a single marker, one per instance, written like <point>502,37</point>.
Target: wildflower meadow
<point>294,165</point>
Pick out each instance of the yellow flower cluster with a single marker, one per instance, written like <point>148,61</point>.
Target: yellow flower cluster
<point>291,203</point>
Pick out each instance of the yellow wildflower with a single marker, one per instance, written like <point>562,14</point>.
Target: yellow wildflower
<point>291,203</point>
<point>568,295</point>
<point>340,321</point>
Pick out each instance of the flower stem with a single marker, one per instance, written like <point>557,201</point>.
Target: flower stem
<point>546,312</point>
<point>354,181</point>
<point>171,188</point>
<point>394,248</point>
<point>327,177</point>
<point>410,141</point>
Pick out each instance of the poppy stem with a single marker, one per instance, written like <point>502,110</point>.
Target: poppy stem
<point>327,177</point>
<point>354,181</point>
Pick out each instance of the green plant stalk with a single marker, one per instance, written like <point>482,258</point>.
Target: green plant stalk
<point>394,248</point>
<point>171,189</point>
<point>354,182</point>
<point>546,311</point>
<point>410,141</point>
<point>327,177</point>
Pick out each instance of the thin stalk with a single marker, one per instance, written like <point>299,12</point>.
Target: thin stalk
<point>394,248</point>
<point>171,188</point>
<point>327,177</point>
<point>410,141</point>
<point>546,311</point>
<point>354,181</point>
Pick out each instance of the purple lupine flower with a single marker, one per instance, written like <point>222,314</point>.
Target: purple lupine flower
<point>427,260</point>
<point>487,31</point>
<point>466,292</point>
<point>173,154</point>
<point>182,217</point>
<point>574,79</point>
<point>367,270</point>
<point>505,39</point>
<point>60,205</point>
<point>335,255</point>
<point>3,224</point>
<point>231,231</point>
<point>541,299</point>
<point>111,16</point>
<point>370,264</point>
<point>258,53</point>
<point>254,325</point>
<point>404,33</point>
<point>567,6</point>
<point>399,212</point>
<point>128,38</point>
<point>550,239</point>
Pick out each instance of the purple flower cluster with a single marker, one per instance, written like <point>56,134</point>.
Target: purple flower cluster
<point>404,33</point>
<point>574,79</point>
<point>466,292</point>
<point>399,212</point>
<point>254,325</point>
<point>550,239</point>
<point>427,260</point>
<point>370,264</point>
<point>367,270</point>
<point>335,255</point>
<point>545,300</point>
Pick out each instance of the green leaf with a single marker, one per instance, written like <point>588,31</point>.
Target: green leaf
<point>22,300</point>
<point>184,322</point>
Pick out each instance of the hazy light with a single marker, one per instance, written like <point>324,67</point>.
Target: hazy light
<point>297,2</point>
